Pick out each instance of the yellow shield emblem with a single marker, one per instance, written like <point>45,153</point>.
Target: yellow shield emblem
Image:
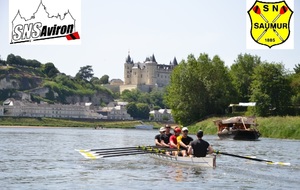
<point>270,22</point>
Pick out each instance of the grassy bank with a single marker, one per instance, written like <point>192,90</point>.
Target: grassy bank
<point>270,127</point>
<point>53,122</point>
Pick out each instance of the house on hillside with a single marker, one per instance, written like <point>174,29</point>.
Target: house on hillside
<point>115,111</point>
<point>161,115</point>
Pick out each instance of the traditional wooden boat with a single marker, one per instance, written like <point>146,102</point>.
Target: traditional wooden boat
<point>238,128</point>
<point>208,161</point>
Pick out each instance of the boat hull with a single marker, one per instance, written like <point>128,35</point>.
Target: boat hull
<point>240,135</point>
<point>208,161</point>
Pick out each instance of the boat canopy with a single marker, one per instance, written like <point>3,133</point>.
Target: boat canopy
<point>238,119</point>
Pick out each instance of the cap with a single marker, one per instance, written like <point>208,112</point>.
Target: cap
<point>185,129</point>
<point>200,133</point>
<point>167,126</point>
<point>177,130</point>
<point>162,129</point>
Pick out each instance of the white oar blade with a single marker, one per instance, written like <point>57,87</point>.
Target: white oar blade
<point>279,163</point>
<point>89,155</point>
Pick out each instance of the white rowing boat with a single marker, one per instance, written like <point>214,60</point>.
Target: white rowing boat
<point>208,161</point>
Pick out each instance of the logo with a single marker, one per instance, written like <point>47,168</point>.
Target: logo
<point>44,25</point>
<point>270,23</point>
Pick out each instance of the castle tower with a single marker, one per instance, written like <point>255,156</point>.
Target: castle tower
<point>151,66</point>
<point>128,70</point>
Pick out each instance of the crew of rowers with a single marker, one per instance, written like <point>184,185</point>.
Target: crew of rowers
<point>185,145</point>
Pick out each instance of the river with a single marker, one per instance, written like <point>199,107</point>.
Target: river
<point>44,158</point>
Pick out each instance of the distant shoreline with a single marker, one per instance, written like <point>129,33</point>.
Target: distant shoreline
<point>20,126</point>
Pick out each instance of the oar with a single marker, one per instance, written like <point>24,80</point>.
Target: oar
<point>255,159</point>
<point>116,155</point>
<point>121,148</point>
<point>94,155</point>
<point>116,152</point>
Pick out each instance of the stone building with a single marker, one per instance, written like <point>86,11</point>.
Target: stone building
<point>146,75</point>
<point>25,109</point>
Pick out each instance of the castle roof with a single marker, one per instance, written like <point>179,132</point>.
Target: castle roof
<point>174,62</point>
<point>152,58</point>
<point>129,60</point>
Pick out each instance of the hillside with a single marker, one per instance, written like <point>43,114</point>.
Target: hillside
<point>43,82</point>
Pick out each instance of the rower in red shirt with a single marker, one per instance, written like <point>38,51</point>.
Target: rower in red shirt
<point>173,140</point>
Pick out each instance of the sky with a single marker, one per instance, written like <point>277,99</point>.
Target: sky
<point>110,29</point>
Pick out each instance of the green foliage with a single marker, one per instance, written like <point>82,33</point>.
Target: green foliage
<point>297,68</point>
<point>132,109</point>
<point>198,87</point>
<point>270,90</point>
<point>50,70</point>
<point>95,80</point>
<point>138,110</point>
<point>142,111</point>
<point>85,73</point>
<point>104,79</point>
<point>131,96</point>
<point>154,98</point>
<point>241,73</point>
<point>156,108</point>
<point>17,60</point>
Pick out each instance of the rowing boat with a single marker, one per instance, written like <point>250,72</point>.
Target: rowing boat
<point>208,161</point>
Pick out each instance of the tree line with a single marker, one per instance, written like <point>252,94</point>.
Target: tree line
<point>201,86</point>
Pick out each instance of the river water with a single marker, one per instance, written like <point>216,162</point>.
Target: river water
<point>44,158</point>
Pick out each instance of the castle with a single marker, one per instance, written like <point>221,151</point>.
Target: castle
<point>147,75</point>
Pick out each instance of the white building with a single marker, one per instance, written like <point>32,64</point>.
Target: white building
<point>161,115</point>
<point>21,109</point>
<point>115,111</point>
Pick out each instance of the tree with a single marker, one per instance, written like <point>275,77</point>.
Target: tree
<point>198,87</point>
<point>295,85</point>
<point>270,90</point>
<point>132,109</point>
<point>157,98</point>
<point>297,68</point>
<point>11,59</point>
<point>143,110</point>
<point>95,80</point>
<point>104,79</point>
<point>50,70</point>
<point>85,73</point>
<point>241,73</point>
<point>131,96</point>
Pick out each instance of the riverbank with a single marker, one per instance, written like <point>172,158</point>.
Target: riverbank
<point>55,122</point>
<point>269,127</point>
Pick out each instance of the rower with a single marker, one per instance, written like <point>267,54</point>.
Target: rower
<point>200,147</point>
<point>173,140</point>
<point>166,137</point>
<point>184,141</point>
<point>158,136</point>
